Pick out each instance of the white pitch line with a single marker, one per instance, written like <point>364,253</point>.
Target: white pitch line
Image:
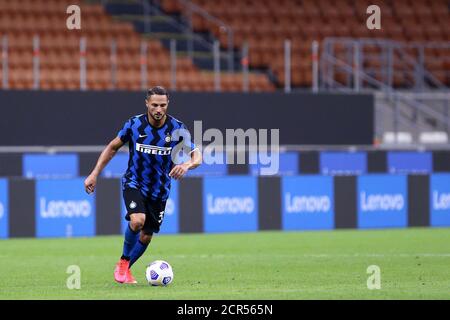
<point>324,255</point>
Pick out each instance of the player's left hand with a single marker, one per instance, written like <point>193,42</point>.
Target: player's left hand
<point>179,171</point>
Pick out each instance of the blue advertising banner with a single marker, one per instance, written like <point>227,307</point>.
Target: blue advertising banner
<point>170,222</point>
<point>440,200</point>
<point>123,211</point>
<point>4,209</point>
<point>171,214</point>
<point>288,163</point>
<point>409,162</point>
<point>382,201</point>
<point>117,166</point>
<point>343,163</point>
<point>307,203</point>
<point>43,166</point>
<point>64,209</point>
<point>230,204</point>
<point>214,164</point>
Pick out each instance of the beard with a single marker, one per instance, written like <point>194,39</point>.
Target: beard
<point>158,116</point>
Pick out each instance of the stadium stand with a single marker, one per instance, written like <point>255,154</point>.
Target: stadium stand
<point>265,24</point>
<point>59,52</point>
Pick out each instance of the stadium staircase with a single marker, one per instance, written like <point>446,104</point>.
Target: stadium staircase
<point>150,19</point>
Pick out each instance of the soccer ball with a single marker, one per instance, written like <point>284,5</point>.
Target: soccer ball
<point>159,273</point>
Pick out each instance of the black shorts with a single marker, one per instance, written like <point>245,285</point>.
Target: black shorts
<point>135,202</point>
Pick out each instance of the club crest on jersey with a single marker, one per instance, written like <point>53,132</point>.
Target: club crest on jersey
<point>149,149</point>
<point>168,138</point>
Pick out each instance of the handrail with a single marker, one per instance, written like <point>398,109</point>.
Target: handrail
<point>422,46</point>
<point>193,8</point>
<point>330,63</point>
<point>421,107</point>
<point>407,122</point>
<point>203,12</point>
<point>411,62</point>
<point>153,6</point>
<point>173,22</point>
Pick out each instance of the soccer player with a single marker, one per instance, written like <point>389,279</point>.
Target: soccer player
<point>154,139</point>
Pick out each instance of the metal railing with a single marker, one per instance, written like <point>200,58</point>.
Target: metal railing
<point>190,8</point>
<point>186,28</point>
<point>83,56</point>
<point>197,45</point>
<point>154,9</point>
<point>5,73</point>
<point>382,60</point>
<point>343,68</point>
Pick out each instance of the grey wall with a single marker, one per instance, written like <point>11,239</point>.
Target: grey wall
<point>93,118</point>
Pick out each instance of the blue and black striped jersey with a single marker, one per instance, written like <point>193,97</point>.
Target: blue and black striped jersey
<point>151,151</point>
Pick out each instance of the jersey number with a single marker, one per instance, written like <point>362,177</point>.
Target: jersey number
<point>161,217</point>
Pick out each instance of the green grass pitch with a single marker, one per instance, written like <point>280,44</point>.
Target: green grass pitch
<point>414,264</point>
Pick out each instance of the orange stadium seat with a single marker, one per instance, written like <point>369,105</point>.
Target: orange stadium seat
<point>264,24</point>
<point>402,20</point>
<point>60,50</point>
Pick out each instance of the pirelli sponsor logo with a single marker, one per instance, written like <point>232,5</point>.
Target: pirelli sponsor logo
<point>145,148</point>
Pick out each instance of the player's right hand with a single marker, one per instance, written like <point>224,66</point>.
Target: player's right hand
<point>90,183</point>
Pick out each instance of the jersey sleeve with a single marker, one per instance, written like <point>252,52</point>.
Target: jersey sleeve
<point>125,133</point>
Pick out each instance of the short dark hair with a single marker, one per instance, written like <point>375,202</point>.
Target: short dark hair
<point>158,90</point>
